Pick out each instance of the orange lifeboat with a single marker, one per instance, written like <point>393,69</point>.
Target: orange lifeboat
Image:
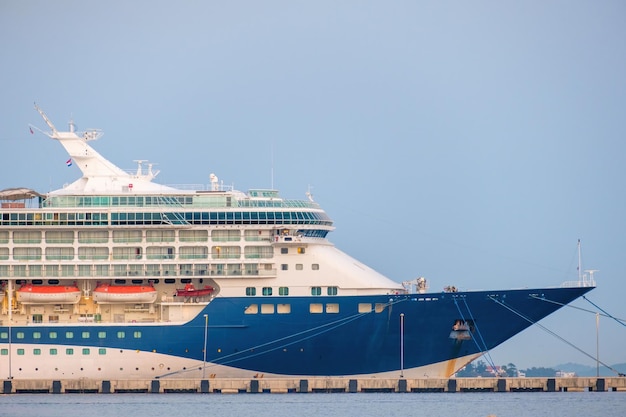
<point>191,291</point>
<point>111,294</point>
<point>48,294</point>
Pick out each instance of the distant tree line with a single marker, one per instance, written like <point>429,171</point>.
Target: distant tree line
<point>481,369</point>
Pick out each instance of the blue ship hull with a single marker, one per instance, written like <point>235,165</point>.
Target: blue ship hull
<point>400,332</point>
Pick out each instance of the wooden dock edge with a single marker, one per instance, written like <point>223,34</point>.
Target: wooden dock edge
<point>314,385</point>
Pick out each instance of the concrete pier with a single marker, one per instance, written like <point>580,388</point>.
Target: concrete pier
<point>314,385</point>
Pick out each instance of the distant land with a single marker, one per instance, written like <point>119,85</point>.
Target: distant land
<point>481,369</point>
<point>584,370</point>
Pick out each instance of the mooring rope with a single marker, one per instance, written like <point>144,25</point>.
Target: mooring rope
<point>480,348</point>
<point>554,334</point>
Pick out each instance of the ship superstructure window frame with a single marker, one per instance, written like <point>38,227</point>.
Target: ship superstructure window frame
<point>283,291</point>
<point>331,290</point>
<point>251,291</point>
<point>316,291</point>
<point>27,253</point>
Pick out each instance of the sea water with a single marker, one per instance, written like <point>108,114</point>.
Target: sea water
<point>536,404</point>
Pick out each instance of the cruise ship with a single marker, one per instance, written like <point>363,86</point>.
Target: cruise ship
<point>115,276</point>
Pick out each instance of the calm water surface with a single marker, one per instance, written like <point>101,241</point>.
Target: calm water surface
<point>541,404</point>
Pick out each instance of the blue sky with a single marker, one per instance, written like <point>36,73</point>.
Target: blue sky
<point>472,143</point>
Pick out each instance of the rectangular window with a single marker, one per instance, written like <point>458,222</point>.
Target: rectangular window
<point>315,267</point>
<point>93,237</point>
<point>300,250</point>
<point>126,236</point>
<point>20,351</point>
<point>4,351</point>
<point>36,351</point>
<point>267,308</point>
<point>4,335</point>
<point>69,335</point>
<point>365,308</point>
<point>284,250</point>
<point>267,290</point>
<point>160,235</point>
<point>52,335</point>
<point>316,290</point>
<point>26,254</point>
<point>250,291</point>
<point>102,335</point>
<point>19,335</point>
<point>283,291</point>
<point>316,308</point>
<point>53,351</point>
<point>37,335</point>
<point>121,335</point>
<point>102,351</point>
<point>331,290</point>
<point>283,308</point>
<point>69,351</point>
<point>284,267</point>
<point>85,351</point>
<point>332,308</point>
<point>194,252</point>
<point>137,335</point>
<point>298,267</point>
<point>85,335</point>
<point>379,308</point>
<point>193,235</point>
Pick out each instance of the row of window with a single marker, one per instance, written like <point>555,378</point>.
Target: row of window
<point>87,253</point>
<point>197,200</point>
<point>120,334</point>
<point>53,351</point>
<point>161,218</point>
<point>251,291</point>
<point>148,270</point>
<point>314,308</point>
<point>130,236</point>
<point>94,253</point>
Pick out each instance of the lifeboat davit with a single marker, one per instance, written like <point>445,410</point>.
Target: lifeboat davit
<point>191,291</point>
<point>111,294</point>
<point>48,294</point>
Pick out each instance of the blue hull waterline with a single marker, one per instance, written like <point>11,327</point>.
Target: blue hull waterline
<point>117,277</point>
